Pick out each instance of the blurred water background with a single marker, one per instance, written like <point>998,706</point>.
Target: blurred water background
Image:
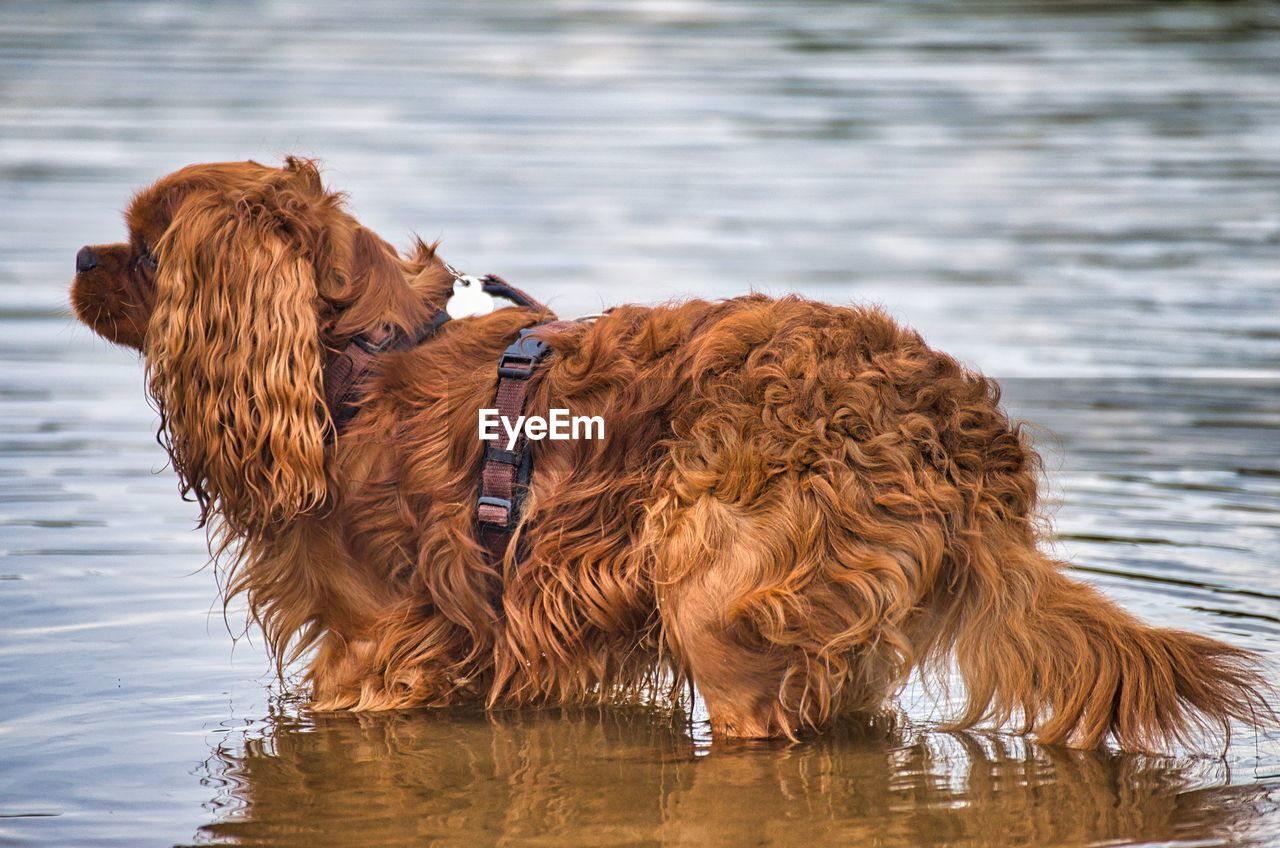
<point>1080,199</point>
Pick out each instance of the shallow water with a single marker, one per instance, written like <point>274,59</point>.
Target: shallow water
<point>1078,199</point>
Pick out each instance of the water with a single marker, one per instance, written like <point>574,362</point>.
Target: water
<point>1078,199</point>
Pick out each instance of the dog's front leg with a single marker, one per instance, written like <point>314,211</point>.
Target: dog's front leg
<point>412,657</point>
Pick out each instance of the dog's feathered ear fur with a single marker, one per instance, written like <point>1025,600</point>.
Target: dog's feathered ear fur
<point>234,354</point>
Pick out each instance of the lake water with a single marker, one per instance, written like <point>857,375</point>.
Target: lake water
<point>1082,200</point>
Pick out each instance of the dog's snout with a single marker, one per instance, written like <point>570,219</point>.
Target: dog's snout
<point>86,260</point>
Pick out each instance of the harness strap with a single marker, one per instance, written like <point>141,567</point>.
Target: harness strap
<point>505,474</point>
<point>345,376</point>
<point>498,287</point>
<point>348,371</point>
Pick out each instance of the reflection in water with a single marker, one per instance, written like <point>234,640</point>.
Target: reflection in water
<point>628,777</point>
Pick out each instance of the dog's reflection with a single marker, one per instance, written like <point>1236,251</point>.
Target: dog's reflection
<point>631,777</point>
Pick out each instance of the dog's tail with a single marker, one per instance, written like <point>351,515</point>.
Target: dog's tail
<point>1034,645</point>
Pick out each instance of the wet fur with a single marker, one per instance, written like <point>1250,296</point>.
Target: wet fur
<point>795,506</point>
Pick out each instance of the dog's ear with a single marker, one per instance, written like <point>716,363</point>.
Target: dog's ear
<point>373,289</point>
<point>233,354</point>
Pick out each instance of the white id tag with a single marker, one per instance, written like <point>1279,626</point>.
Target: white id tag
<point>468,299</point>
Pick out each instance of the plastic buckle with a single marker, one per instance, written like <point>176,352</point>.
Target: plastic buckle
<point>515,366</point>
<point>503,503</point>
<point>519,359</point>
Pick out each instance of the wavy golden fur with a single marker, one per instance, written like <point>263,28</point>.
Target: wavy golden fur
<point>796,504</point>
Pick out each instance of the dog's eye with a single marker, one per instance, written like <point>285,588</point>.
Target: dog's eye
<point>146,258</point>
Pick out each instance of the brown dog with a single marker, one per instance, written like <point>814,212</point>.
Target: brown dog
<point>795,504</point>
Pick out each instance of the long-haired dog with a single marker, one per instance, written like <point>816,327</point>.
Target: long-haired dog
<point>794,506</point>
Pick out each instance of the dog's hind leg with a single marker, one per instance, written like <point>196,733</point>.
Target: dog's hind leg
<point>777,632</point>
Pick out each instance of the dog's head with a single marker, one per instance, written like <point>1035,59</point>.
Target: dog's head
<point>235,279</point>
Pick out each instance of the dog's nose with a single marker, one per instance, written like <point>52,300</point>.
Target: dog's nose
<point>86,260</point>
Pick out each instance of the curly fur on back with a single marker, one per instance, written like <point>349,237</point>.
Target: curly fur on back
<point>795,506</point>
